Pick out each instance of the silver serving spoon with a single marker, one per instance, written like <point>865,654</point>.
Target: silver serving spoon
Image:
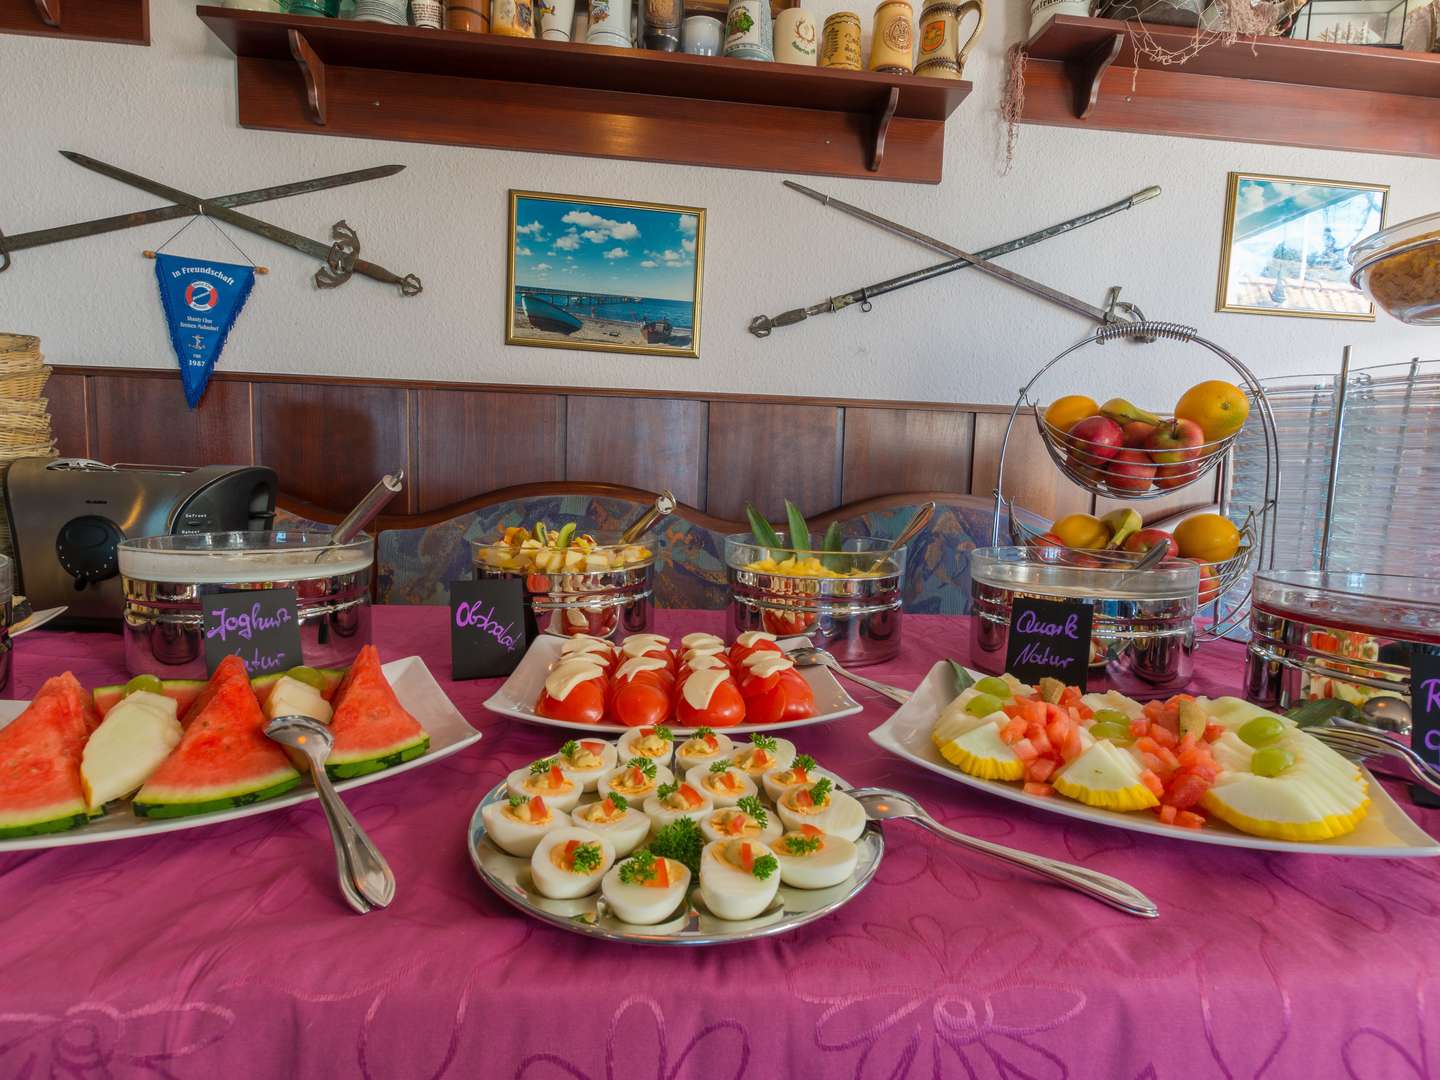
<point>360,861</point>
<point>809,656</point>
<point>882,804</point>
<point>919,521</point>
<point>664,506</point>
<point>36,619</point>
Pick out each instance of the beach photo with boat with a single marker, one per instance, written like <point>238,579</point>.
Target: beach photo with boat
<point>590,273</point>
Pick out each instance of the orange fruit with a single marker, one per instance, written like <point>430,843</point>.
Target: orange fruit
<point>1082,531</point>
<point>1064,413</point>
<point>1219,407</point>
<point>1207,537</point>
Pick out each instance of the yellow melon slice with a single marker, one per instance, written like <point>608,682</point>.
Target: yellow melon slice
<point>1320,797</point>
<point>1105,776</point>
<point>977,749</point>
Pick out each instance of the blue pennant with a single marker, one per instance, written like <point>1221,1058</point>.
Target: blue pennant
<point>201,300</point>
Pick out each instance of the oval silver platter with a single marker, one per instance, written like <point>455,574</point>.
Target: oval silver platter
<point>691,924</point>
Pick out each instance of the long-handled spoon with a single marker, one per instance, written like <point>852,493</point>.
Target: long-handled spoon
<point>919,521</point>
<point>664,506</point>
<point>359,859</point>
<point>881,804</point>
<point>36,619</point>
<point>809,656</point>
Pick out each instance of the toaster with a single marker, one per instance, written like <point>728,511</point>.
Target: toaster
<point>68,514</point>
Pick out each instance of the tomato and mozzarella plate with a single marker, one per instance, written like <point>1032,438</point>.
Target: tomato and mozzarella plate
<point>773,690</point>
<point>641,693</point>
<point>575,692</point>
<point>648,645</point>
<point>752,641</point>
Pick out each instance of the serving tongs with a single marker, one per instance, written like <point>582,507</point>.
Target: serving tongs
<point>664,506</point>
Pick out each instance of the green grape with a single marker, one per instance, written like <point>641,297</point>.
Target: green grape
<point>994,687</point>
<point>307,675</point>
<point>149,683</point>
<point>1107,729</point>
<point>983,705</point>
<point>1261,731</point>
<point>1271,761</point>
<point>1112,716</point>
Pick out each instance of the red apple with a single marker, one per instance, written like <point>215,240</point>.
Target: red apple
<point>1098,437</point>
<point>1048,539</point>
<point>1137,434</point>
<point>1089,469</point>
<point>1209,581</point>
<point>1174,441</point>
<point>1142,541</point>
<point>1130,470</point>
<point>1169,477</point>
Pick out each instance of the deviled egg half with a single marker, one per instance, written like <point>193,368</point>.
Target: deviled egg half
<point>822,806</point>
<point>738,878</point>
<point>646,888</point>
<point>781,779</point>
<point>616,820</point>
<point>655,744</point>
<point>517,824</point>
<point>723,781</point>
<point>746,820</point>
<point>674,801</point>
<point>548,780</point>
<point>569,863</point>
<point>586,761</point>
<point>811,859</point>
<point>764,752</point>
<point>702,748</point>
<point>637,780</point>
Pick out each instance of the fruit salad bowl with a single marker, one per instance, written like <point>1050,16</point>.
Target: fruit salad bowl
<point>1106,466</point>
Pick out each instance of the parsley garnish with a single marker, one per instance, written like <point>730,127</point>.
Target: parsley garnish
<point>802,845</point>
<point>764,866</point>
<point>663,732</point>
<point>569,748</point>
<point>588,858</point>
<point>700,733</point>
<point>821,791</point>
<point>763,742</point>
<point>618,801</point>
<point>517,801</point>
<point>666,790</point>
<point>541,766</point>
<point>645,765</point>
<point>639,868</point>
<point>682,841</point>
<point>721,766</point>
<point>751,805</point>
<point>803,761</point>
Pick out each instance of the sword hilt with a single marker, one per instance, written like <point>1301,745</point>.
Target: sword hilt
<point>4,253</point>
<point>761,325</point>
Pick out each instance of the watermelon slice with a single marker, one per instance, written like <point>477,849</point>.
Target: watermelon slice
<point>40,787</point>
<point>184,691</point>
<point>333,677</point>
<point>372,731</point>
<point>224,759</point>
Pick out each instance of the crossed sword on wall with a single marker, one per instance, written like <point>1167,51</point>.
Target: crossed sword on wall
<point>341,256</point>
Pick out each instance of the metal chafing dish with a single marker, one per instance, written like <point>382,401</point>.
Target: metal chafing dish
<point>607,592</point>
<point>1142,631</point>
<point>164,579</point>
<point>854,612</point>
<point>1322,634</point>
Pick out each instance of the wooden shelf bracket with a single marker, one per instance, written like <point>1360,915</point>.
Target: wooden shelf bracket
<point>312,68</point>
<point>1086,71</point>
<point>49,12</point>
<point>883,116</point>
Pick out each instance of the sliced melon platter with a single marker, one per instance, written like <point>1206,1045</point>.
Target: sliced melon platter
<point>1218,771</point>
<point>78,767</point>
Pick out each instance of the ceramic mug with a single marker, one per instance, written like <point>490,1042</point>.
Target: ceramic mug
<point>941,55</point>
<point>512,18</point>
<point>892,49</point>
<point>748,30</point>
<point>795,37</point>
<point>840,42</point>
<point>700,35</point>
<point>556,18</point>
<point>1042,11</point>
<point>609,24</point>
<point>471,15</point>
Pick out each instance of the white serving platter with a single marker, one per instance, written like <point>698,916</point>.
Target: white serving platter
<point>418,692</point>
<point>517,697</point>
<point>1386,832</point>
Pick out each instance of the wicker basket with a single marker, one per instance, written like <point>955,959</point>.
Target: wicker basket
<point>24,412</point>
<point>26,386</point>
<point>19,343</point>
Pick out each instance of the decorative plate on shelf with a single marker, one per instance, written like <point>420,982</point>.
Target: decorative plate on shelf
<point>517,697</point>
<point>1385,832</point>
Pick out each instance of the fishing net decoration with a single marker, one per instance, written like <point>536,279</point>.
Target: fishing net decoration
<point>1221,22</point>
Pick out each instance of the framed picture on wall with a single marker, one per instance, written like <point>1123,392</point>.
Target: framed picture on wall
<point>606,274</point>
<point>1286,243</point>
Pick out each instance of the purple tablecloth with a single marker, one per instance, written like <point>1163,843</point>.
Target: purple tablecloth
<point>226,951</point>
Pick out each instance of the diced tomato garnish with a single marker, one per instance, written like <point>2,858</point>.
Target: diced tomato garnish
<point>690,795</point>
<point>557,777</point>
<point>661,880</point>
<point>734,825</point>
<point>1189,820</point>
<point>637,777</point>
<point>811,830</point>
<point>646,732</point>
<point>804,798</point>
<point>801,776</point>
<point>1039,770</point>
<point>537,807</point>
<point>747,857</point>
<point>1014,731</point>
<point>711,740</point>
<point>593,747</point>
<point>1032,788</point>
<point>760,758</point>
<point>1167,813</point>
<point>570,846</point>
<point>729,781</point>
<point>1153,782</point>
<point>1025,750</point>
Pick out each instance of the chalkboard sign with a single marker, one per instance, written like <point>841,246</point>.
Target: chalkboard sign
<point>261,626</point>
<point>487,628</point>
<point>1425,705</point>
<point>1049,637</point>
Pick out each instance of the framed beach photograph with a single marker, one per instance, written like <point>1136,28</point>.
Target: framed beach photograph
<point>1286,243</point>
<point>604,274</point>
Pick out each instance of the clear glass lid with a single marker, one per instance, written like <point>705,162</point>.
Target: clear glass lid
<point>1090,574</point>
<point>218,558</point>
<point>1387,605</point>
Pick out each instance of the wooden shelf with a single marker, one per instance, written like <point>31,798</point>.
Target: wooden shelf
<point>126,22</point>
<point>336,77</point>
<point>1080,73</point>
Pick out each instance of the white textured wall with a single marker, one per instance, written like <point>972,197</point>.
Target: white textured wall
<point>169,111</point>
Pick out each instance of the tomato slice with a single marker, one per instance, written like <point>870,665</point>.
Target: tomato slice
<point>569,855</point>
<point>585,704</point>
<point>726,708</point>
<point>690,795</point>
<point>747,857</point>
<point>537,807</point>
<point>557,777</point>
<point>811,830</point>
<point>639,704</point>
<point>763,704</point>
<point>799,698</point>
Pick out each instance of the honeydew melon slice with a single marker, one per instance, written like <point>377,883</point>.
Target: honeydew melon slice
<point>1105,776</point>
<point>977,749</point>
<point>132,741</point>
<point>291,697</point>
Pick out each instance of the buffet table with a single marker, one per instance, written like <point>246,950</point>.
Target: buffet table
<point>227,951</point>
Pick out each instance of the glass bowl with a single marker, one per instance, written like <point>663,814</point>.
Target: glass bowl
<point>1399,268</point>
<point>584,553</point>
<point>242,558</point>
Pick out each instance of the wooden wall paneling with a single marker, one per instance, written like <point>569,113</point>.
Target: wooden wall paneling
<point>892,450</point>
<point>69,421</point>
<point>1031,478</point>
<point>144,420</point>
<point>648,443</point>
<point>471,442</point>
<point>766,453</point>
<point>329,442</point>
